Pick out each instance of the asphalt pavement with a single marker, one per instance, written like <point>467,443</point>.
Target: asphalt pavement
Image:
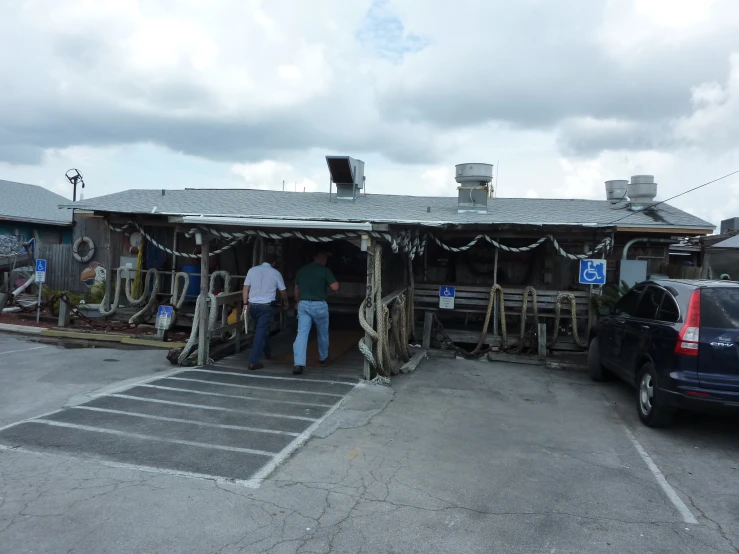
<point>460,456</point>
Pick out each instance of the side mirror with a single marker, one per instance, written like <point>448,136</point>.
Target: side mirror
<point>605,310</point>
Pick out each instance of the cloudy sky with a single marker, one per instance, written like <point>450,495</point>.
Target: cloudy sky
<point>562,94</point>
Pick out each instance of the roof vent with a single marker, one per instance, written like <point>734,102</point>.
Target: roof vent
<point>348,174</point>
<point>642,191</point>
<point>474,187</point>
<point>616,190</point>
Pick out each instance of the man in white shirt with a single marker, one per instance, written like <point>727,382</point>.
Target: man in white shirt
<point>260,291</point>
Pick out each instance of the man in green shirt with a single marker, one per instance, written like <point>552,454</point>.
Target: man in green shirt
<point>311,289</point>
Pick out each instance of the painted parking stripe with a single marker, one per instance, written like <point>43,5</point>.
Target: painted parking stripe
<point>23,350</point>
<point>124,465</point>
<point>256,480</point>
<point>152,438</point>
<point>221,395</point>
<point>189,405</point>
<point>255,376</point>
<point>263,388</point>
<point>680,506</point>
<point>178,420</point>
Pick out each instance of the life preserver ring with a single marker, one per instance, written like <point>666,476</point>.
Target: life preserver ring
<point>132,241</point>
<point>90,249</point>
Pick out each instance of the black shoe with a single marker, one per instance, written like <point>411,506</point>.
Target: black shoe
<point>323,363</point>
<point>298,370</point>
<point>254,367</point>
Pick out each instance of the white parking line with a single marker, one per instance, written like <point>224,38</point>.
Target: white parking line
<point>178,420</point>
<point>688,517</point>
<point>255,376</point>
<point>257,388</point>
<point>256,480</point>
<point>151,437</point>
<point>221,395</point>
<point>23,350</point>
<point>189,405</point>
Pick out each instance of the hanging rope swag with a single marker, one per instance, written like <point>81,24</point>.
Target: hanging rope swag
<point>409,242</point>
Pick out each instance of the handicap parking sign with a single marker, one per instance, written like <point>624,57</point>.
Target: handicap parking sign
<point>446,297</point>
<point>40,271</point>
<point>592,272</point>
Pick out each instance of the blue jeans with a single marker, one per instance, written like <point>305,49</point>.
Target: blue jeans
<point>262,314</point>
<point>310,312</point>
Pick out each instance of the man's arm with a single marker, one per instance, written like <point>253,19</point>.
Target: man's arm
<point>247,287</point>
<point>333,284</point>
<point>285,301</point>
<point>296,294</point>
<point>245,296</point>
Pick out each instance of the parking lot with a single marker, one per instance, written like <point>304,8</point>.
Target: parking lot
<point>460,456</point>
<point>216,423</point>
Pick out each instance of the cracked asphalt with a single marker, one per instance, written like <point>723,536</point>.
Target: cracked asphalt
<point>459,457</point>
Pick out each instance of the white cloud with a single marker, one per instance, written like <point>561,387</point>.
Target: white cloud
<point>563,94</point>
<point>270,174</point>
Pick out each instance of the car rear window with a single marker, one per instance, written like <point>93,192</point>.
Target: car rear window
<point>720,307</point>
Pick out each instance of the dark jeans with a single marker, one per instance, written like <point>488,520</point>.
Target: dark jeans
<point>262,314</point>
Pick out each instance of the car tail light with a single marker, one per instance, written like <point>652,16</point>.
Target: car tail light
<point>689,338</point>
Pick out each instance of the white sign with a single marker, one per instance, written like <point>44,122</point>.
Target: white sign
<point>446,297</point>
<point>40,271</point>
<point>164,317</point>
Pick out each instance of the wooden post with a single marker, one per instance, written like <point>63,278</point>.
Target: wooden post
<point>109,272</point>
<point>203,334</point>
<point>174,264</point>
<point>64,314</point>
<point>428,322</point>
<point>542,336</point>
<point>495,298</point>
<point>239,310</point>
<point>369,310</point>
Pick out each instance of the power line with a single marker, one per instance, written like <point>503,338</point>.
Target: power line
<point>678,195</point>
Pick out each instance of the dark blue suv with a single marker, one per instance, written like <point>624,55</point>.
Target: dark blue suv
<point>677,342</point>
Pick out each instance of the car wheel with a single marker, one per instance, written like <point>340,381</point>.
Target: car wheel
<point>648,402</point>
<point>595,367</point>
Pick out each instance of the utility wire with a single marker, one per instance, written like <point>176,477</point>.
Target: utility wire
<point>677,195</point>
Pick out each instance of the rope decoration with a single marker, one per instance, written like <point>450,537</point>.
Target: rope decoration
<point>497,289</point>
<point>605,246</point>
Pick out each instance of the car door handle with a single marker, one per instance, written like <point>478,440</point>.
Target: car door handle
<point>645,327</point>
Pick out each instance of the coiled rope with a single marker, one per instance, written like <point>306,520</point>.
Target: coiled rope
<point>497,289</point>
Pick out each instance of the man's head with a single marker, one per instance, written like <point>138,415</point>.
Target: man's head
<point>270,258</point>
<point>321,258</point>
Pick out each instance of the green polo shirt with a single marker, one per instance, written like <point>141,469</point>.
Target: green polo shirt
<point>314,280</point>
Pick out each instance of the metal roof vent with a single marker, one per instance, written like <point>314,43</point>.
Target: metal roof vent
<point>642,191</point>
<point>474,187</point>
<point>348,175</point>
<point>616,190</point>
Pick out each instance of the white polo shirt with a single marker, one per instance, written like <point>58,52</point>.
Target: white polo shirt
<point>264,281</point>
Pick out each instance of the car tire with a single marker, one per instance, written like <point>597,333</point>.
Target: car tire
<point>595,368</point>
<point>648,401</point>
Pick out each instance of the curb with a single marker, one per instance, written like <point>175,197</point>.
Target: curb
<point>21,329</point>
<point>98,337</point>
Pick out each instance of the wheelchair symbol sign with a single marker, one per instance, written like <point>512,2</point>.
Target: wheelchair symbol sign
<point>446,297</point>
<point>593,272</point>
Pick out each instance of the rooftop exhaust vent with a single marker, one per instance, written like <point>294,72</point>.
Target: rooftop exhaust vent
<point>474,187</point>
<point>616,190</point>
<point>348,175</point>
<point>642,191</point>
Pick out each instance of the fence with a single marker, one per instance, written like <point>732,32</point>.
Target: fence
<point>63,271</point>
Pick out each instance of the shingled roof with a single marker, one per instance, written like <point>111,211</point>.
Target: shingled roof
<point>32,204</point>
<point>379,208</point>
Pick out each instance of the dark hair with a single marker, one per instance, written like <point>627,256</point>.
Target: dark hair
<point>270,258</point>
<point>321,254</point>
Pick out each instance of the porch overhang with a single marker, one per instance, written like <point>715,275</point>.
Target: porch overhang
<point>280,223</point>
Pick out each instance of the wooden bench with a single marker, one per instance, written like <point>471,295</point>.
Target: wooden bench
<point>473,301</point>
